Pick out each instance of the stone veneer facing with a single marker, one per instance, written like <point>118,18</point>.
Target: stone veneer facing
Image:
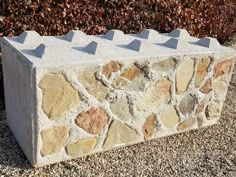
<point>74,95</point>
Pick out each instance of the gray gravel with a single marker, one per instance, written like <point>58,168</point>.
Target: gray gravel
<point>208,152</point>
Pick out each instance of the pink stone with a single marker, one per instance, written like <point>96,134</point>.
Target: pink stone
<point>92,121</point>
<point>222,68</point>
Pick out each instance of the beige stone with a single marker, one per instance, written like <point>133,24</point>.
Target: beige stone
<point>187,104</point>
<point>92,121</point>
<point>131,73</point>
<point>121,109</point>
<point>154,95</point>
<point>165,65</point>
<point>110,67</point>
<point>213,110</point>
<point>184,75</point>
<point>222,68</point>
<point>200,120</point>
<point>149,126</point>
<point>219,86</point>
<point>93,86</point>
<point>200,108</point>
<point>81,147</point>
<point>53,139</point>
<point>206,88</point>
<point>58,95</point>
<point>186,124</point>
<point>201,71</point>
<point>169,118</point>
<point>119,134</point>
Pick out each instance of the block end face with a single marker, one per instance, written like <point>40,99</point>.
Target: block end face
<point>115,35</point>
<point>209,42</point>
<point>179,33</point>
<point>28,37</point>
<point>75,36</point>
<point>176,43</point>
<point>148,34</point>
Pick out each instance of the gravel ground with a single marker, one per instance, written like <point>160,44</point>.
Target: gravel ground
<point>208,152</point>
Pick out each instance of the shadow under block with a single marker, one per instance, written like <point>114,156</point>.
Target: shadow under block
<point>74,95</point>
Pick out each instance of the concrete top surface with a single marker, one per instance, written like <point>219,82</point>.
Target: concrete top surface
<point>77,48</point>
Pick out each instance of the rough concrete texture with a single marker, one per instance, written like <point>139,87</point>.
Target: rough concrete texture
<point>170,96</point>
<point>206,152</point>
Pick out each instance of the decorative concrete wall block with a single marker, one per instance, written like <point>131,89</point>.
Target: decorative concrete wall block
<point>74,95</point>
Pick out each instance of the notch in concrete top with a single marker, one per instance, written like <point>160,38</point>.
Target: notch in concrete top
<point>29,37</point>
<point>45,51</point>
<point>148,34</point>
<point>179,33</point>
<point>96,48</point>
<point>139,45</point>
<point>209,42</point>
<point>176,43</point>
<point>115,35</point>
<point>75,36</point>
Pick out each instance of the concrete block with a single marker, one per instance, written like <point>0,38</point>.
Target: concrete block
<point>74,95</point>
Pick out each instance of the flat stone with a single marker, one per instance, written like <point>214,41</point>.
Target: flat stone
<point>53,139</point>
<point>186,124</point>
<point>121,109</point>
<point>222,68</point>
<point>92,85</point>
<point>110,67</point>
<point>119,134</point>
<point>58,95</point>
<point>154,95</point>
<point>200,108</point>
<point>165,65</point>
<point>219,86</point>
<point>169,118</point>
<point>186,105</point>
<point>92,121</point>
<point>131,73</point>
<point>201,71</point>
<point>137,83</point>
<point>213,110</point>
<point>184,75</point>
<point>81,147</point>
<point>200,120</point>
<point>206,88</point>
<point>149,126</point>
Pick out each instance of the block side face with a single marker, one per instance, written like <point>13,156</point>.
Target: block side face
<point>19,99</point>
<point>117,103</point>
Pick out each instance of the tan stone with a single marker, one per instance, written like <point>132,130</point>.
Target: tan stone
<point>121,109</point>
<point>131,73</point>
<point>206,88</point>
<point>149,126</point>
<point>58,95</point>
<point>222,68</point>
<point>219,86</point>
<point>154,95</point>
<point>93,86</point>
<point>81,147</point>
<point>164,65</point>
<point>213,110</point>
<point>184,75</point>
<point>187,104</point>
<point>119,134</point>
<point>53,139</point>
<point>186,124</point>
<point>199,121</point>
<point>137,84</point>
<point>110,67</point>
<point>92,121</point>
<point>201,71</point>
<point>200,108</point>
<point>169,118</point>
